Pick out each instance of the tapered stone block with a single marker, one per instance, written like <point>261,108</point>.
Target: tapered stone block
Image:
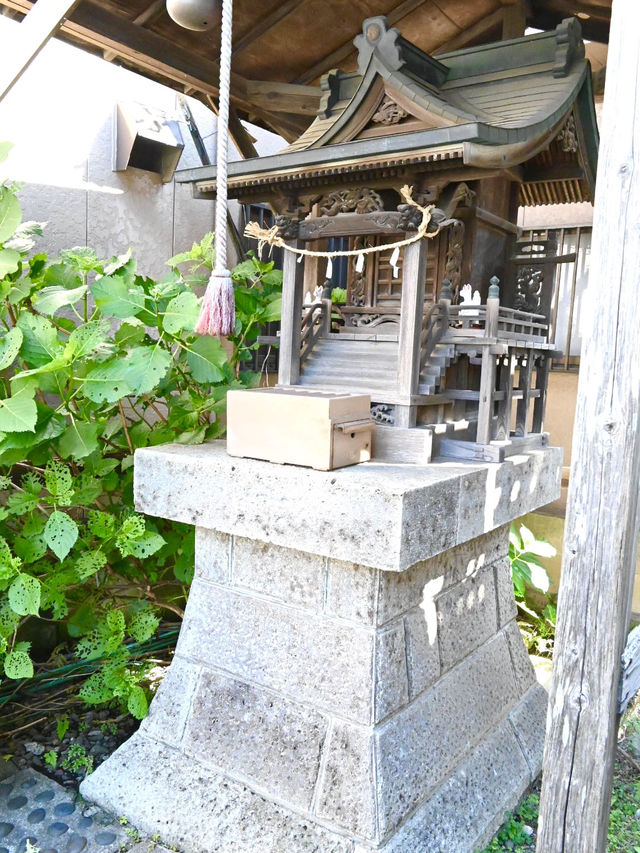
<point>349,675</point>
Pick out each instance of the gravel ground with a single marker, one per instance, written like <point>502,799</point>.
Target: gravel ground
<point>69,747</point>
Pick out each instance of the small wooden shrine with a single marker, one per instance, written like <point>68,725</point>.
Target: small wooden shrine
<point>477,133</point>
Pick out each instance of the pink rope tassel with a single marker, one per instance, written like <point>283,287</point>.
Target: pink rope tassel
<point>218,312</point>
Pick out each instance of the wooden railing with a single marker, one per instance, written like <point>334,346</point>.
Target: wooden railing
<point>467,321</point>
<point>434,325</point>
<point>316,323</point>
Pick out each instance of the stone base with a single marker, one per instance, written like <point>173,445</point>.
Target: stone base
<point>163,791</point>
<point>317,703</point>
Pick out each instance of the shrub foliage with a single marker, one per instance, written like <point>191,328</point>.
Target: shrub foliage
<point>97,360</point>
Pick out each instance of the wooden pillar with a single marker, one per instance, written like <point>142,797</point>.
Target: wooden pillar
<point>524,386</point>
<point>414,271</point>
<point>542,380</point>
<point>292,288</point>
<point>506,375</point>
<point>488,369</point>
<point>38,26</point>
<point>601,532</point>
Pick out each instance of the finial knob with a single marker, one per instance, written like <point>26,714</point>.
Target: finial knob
<point>494,289</point>
<point>445,290</point>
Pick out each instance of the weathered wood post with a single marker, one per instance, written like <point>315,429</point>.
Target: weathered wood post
<point>488,375</point>
<point>601,535</point>
<point>290,326</point>
<point>411,313</point>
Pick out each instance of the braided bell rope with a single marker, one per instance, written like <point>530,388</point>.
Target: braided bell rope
<point>220,268</point>
<point>270,237</point>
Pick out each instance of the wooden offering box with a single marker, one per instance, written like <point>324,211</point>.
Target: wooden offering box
<point>317,429</point>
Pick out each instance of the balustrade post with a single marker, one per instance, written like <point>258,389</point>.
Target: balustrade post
<point>290,325</point>
<point>488,374</point>
<point>327,307</point>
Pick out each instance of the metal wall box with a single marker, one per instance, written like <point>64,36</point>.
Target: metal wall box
<point>146,138</point>
<point>317,429</point>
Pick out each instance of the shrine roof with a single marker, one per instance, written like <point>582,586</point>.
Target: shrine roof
<point>525,103</point>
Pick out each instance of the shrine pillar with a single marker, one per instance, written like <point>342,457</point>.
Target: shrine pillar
<point>348,678</point>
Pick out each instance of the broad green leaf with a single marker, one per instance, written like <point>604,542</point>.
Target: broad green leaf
<point>18,665</point>
<point>24,595</point>
<point>146,545</point>
<point>137,703</point>
<point>147,367</point>
<point>83,257</point>
<point>143,624</point>
<point>247,300</point>
<point>108,382</point>
<point>101,524</point>
<point>10,347</point>
<point>18,413</point>
<point>60,533</point>
<point>10,213</point>
<point>182,313</point>
<point>59,481</point>
<point>79,440</point>
<point>40,343</point>
<point>118,262</point>
<point>9,261</point>
<point>117,299</point>
<point>206,358</point>
<point>31,549</point>
<point>130,333</point>
<point>51,299</point>
<point>87,339</point>
<point>62,275</point>
<point>273,311</point>
<point>5,148</point>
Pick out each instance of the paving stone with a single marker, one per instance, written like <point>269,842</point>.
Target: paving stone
<point>423,654</point>
<point>272,742</point>
<point>400,592</point>
<point>467,616</point>
<point>162,791</point>
<point>507,608</point>
<point>170,707</point>
<point>466,810</point>
<point>347,793</point>
<point>213,555</point>
<point>529,720</point>
<point>423,742</point>
<point>523,668</point>
<point>372,514</point>
<point>307,657</point>
<point>351,592</point>
<point>53,819</point>
<point>391,679</point>
<point>292,576</point>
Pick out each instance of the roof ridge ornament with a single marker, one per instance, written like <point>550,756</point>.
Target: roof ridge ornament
<point>569,46</point>
<point>377,37</point>
<point>385,44</point>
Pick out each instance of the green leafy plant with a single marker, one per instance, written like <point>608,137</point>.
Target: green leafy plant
<point>51,758</point>
<point>339,296</point>
<point>96,361</point>
<point>537,609</point>
<point>76,759</point>
<point>62,727</point>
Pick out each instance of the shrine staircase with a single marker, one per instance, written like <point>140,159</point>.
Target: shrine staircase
<point>368,367</point>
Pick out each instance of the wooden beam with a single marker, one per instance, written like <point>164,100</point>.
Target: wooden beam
<point>414,269</point>
<point>601,528</point>
<point>33,33</point>
<point>333,59</point>
<point>143,18</point>
<point>237,131</point>
<point>284,97</point>
<point>514,21</point>
<point>474,33</point>
<point>265,24</point>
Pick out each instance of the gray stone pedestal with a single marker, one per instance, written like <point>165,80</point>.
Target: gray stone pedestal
<point>349,676</point>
